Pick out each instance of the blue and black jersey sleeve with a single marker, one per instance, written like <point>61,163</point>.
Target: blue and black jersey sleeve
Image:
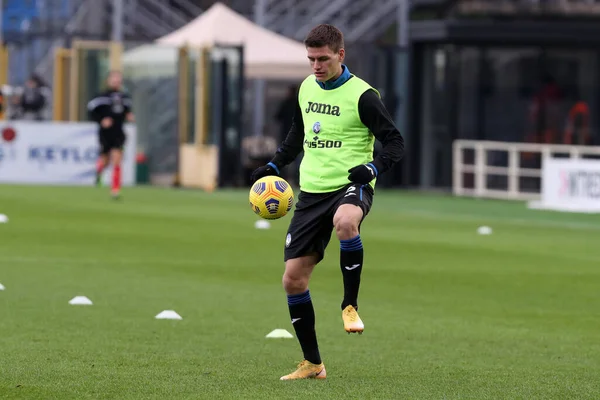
<point>293,143</point>
<point>375,116</point>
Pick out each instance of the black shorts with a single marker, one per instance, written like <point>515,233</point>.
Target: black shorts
<point>110,141</point>
<point>312,223</point>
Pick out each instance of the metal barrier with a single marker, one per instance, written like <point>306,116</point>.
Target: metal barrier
<point>473,175</point>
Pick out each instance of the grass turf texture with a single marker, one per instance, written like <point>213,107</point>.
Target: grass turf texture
<point>449,314</point>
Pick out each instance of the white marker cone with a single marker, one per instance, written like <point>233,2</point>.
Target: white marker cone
<point>3,219</point>
<point>262,224</point>
<point>168,314</point>
<point>484,230</point>
<point>279,333</point>
<point>80,300</point>
<point>2,287</point>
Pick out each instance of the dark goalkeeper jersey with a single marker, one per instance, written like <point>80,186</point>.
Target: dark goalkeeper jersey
<point>114,104</point>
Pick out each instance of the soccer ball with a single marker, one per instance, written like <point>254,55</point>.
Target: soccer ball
<point>271,197</point>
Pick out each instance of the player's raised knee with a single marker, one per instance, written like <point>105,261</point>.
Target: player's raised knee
<point>346,228</point>
<point>346,221</point>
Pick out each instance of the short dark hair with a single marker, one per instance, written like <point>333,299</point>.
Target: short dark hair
<point>325,35</point>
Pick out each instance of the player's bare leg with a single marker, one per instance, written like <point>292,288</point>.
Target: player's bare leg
<point>101,163</point>
<point>295,282</point>
<point>346,221</point>
<point>116,156</point>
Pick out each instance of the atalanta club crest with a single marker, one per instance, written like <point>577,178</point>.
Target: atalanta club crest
<point>317,127</point>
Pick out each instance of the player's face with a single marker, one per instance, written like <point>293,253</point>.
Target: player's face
<point>324,62</point>
<point>115,80</point>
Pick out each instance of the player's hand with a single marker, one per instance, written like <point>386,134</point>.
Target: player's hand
<point>265,170</point>
<point>106,122</point>
<point>362,174</point>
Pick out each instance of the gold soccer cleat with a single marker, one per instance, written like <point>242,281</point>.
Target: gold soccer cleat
<point>352,322</point>
<point>307,370</point>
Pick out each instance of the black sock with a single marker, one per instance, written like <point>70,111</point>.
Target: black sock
<point>351,261</point>
<point>303,319</point>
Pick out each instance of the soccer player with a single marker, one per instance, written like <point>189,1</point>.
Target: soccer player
<point>111,109</point>
<point>338,117</point>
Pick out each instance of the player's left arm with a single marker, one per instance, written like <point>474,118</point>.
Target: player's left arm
<point>375,116</point>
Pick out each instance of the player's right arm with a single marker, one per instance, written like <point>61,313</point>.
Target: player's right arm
<point>287,151</point>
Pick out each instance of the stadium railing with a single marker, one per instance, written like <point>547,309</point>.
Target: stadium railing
<point>507,170</point>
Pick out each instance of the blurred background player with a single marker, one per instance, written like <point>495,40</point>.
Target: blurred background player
<point>111,109</point>
<point>337,118</point>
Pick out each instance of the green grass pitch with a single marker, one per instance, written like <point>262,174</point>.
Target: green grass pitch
<point>449,314</point>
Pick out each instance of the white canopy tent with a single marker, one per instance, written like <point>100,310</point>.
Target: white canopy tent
<point>267,55</point>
